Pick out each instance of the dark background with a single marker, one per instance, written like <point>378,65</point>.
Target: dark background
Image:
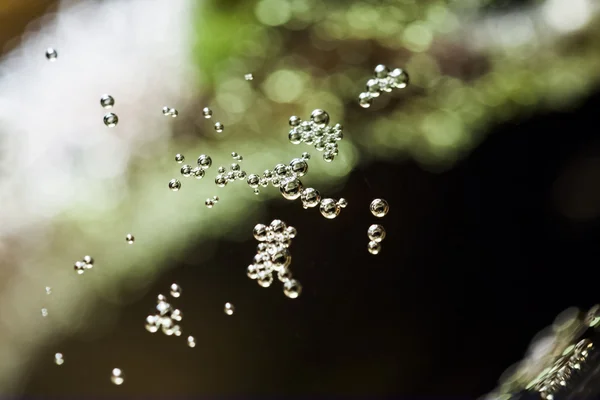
<point>476,261</point>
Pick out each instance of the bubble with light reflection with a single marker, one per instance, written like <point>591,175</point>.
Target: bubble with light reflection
<point>117,376</point>
<point>219,127</point>
<point>229,309</point>
<point>59,359</point>
<point>129,238</point>
<point>379,208</point>
<point>81,266</point>
<point>107,101</point>
<point>317,132</point>
<point>166,318</point>
<point>51,54</point>
<point>111,120</point>
<point>384,80</point>
<point>170,112</point>
<point>174,185</point>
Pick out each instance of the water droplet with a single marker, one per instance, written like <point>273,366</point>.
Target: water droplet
<point>88,260</point>
<point>174,185</point>
<point>235,167</point>
<point>284,275</point>
<point>291,188</point>
<point>117,376</point>
<point>221,169</point>
<point>209,203</point>
<point>319,117</point>
<point>328,156</point>
<point>299,166</point>
<point>281,259</point>
<point>374,247</point>
<point>253,181</point>
<point>179,158</point>
<point>191,341</point>
<point>229,308</point>
<point>186,170</point>
<point>373,87</point>
<point>48,290</point>
<point>376,233</point>
<point>399,78</point>
<point>80,267</point>
<point>342,202</point>
<point>381,71</point>
<point>248,77</point>
<point>260,232</point>
<point>220,180</point>
<point>51,54</point>
<point>198,172</point>
<point>292,288</point>
<point>107,101</point>
<point>111,120</point>
<point>152,323</point>
<point>207,112</point>
<point>129,238</point>
<point>294,121</point>
<point>219,127</point>
<point>44,312</point>
<point>204,161</point>
<point>310,198</point>
<point>329,208</point>
<point>365,99</point>
<point>175,290</point>
<point>379,208</point>
<point>59,359</point>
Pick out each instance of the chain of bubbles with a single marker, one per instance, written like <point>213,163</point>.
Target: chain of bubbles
<point>384,80</point>
<point>273,256</point>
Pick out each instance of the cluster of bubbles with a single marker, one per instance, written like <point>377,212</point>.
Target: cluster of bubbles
<point>166,317</point>
<point>170,112</point>
<point>117,376</point>
<point>209,203</point>
<point>235,172</point>
<point>248,77</point>
<point>376,233</point>
<point>51,54</point>
<point>317,133</point>
<point>198,172</point>
<point>384,80</point>
<point>273,256</point>
<point>107,101</point>
<point>83,265</point>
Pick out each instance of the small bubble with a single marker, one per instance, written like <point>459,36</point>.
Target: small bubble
<point>379,208</point>
<point>342,202</point>
<point>44,312</point>
<point>235,167</point>
<point>170,112</point>
<point>292,288</point>
<point>152,323</point>
<point>186,170</point>
<point>399,78</point>
<point>59,359</point>
<point>236,156</point>
<point>319,117</point>
<point>80,267</point>
<point>88,260</point>
<point>291,188</point>
<point>229,308</point>
<point>376,233</point>
<point>177,315</point>
<point>175,290</point>
<point>107,101</point>
<point>216,199</point>
<point>191,341</point>
<point>179,158</point>
<point>207,112</point>
<point>129,238</point>
<point>294,121</point>
<point>221,180</point>
<point>365,99</point>
<point>117,376</point>
<point>248,77</point>
<point>329,208</point>
<point>48,290</point>
<point>256,191</point>
<point>51,54</point>
<point>310,198</point>
<point>204,161</point>
<point>374,247</point>
<point>381,71</point>
<point>305,156</point>
<point>219,127</point>
<point>111,120</point>
<point>198,172</point>
<point>209,203</point>
<point>174,185</point>
<point>373,87</point>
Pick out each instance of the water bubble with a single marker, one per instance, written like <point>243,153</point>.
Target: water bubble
<point>191,341</point>
<point>44,312</point>
<point>129,238</point>
<point>204,161</point>
<point>175,290</point>
<point>111,120</point>
<point>291,232</point>
<point>295,137</point>
<point>319,117</point>
<point>229,308</point>
<point>207,112</point>
<point>252,272</point>
<point>248,77</point>
<point>281,259</point>
<point>305,156</point>
<point>284,275</point>
<point>48,290</point>
<point>107,101</point>
<point>376,233</point>
<point>235,156</point>
<point>235,167</point>
<point>342,202</point>
<point>260,232</point>
<point>329,208</point>
<point>170,112</point>
<point>174,185</point>
<point>328,156</point>
<point>51,54</point>
<point>80,267</point>
<point>221,170</point>
<point>59,359</point>
<point>256,191</point>
<point>219,127</point>
<point>88,260</point>
<point>152,323</point>
<point>161,298</point>
<point>209,203</point>
<point>220,180</point>
<point>265,279</point>
<point>216,199</point>
<point>310,198</point>
<point>292,288</point>
<point>280,170</point>
<point>379,208</point>
<point>163,307</point>
<point>186,170</point>
<point>253,180</point>
<point>117,376</point>
<point>177,315</point>
<point>242,175</point>
<point>230,176</point>
<point>386,84</point>
<point>365,99</point>
<point>373,87</point>
<point>291,188</point>
<point>381,71</point>
<point>198,172</point>
<point>399,78</point>
<point>294,121</point>
<point>374,247</point>
<point>299,166</point>
<point>179,158</point>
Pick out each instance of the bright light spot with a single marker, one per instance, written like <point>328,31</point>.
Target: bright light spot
<point>566,16</point>
<point>273,12</point>
<point>417,37</point>
<point>284,86</point>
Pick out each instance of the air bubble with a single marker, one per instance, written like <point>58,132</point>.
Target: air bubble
<point>179,158</point>
<point>44,312</point>
<point>209,203</point>
<point>291,188</point>
<point>376,233</point>
<point>229,309</point>
<point>48,290</point>
<point>88,260</point>
<point>221,180</point>
<point>175,290</point>
<point>174,185</point>
<point>292,288</point>
<point>207,112</point>
<point>248,77</point>
<point>198,172</point>
<point>319,117</point>
<point>129,238</point>
<point>256,191</point>
<point>191,341</point>
<point>342,202</point>
<point>310,198</point>
<point>329,208</point>
<point>204,161</point>
<point>374,247</point>
<point>80,267</point>
<point>117,376</point>
<point>107,101</point>
<point>219,127</point>
<point>170,112</point>
<point>111,120</point>
<point>51,54</point>
<point>399,78</point>
<point>186,170</point>
<point>221,170</point>
<point>381,71</point>
<point>365,100</point>
<point>59,359</point>
<point>152,323</point>
<point>379,208</point>
<point>305,156</point>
